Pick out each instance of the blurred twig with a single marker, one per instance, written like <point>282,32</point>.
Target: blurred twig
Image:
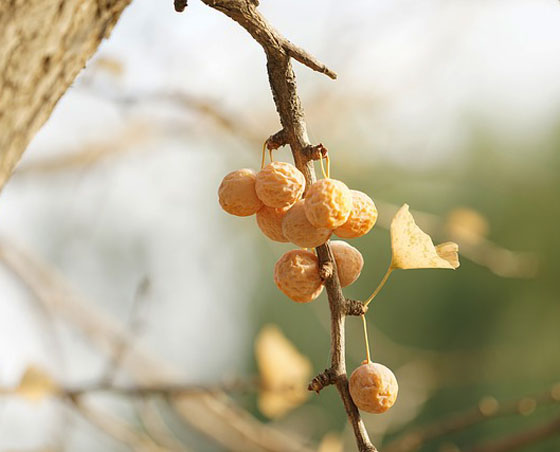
<point>120,348</point>
<point>213,415</point>
<point>488,408</point>
<point>116,428</point>
<point>521,439</point>
<point>129,137</point>
<point>156,427</point>
<point>209,108</point>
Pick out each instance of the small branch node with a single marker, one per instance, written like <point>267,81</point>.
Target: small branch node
<point>321,381</point>
<point>355,307</point>
<point>277,140</point>
<point>326,270</point>
<point>180,5</point>
<point>316,152</point>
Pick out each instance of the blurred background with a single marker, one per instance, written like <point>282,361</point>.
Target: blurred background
<point>452,107</point>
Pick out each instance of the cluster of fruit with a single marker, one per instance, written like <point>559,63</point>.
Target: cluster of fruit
<point>275,195</point>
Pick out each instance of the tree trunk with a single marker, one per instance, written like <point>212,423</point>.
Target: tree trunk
<point>43,46</point>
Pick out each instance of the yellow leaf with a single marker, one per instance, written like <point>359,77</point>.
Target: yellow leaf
<point>449,251</point>
<point>284,373</point>
<point>36,384</point>
<point>413,248</point>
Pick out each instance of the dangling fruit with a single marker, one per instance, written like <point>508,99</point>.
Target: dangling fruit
<point>328,203</point>
<point>298,230</point>
<point>373,388</point>
<point>279,184</point>
<point>362,217</point>
<point>349,262</point>
<point>269,220</point>
<point>237,194</point>
<point>297,275</point>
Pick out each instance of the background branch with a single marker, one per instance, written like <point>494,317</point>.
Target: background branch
<point>521,439</point>
<point>212,414</point>
<point>488,408</point>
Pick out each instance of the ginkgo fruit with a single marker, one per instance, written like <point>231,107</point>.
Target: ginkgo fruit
<point>269,220</point>
<point>328,203</point>
<point>297,275</point>
<point>362,217</point>
<point>237,194</point>
<point>349,262</point>
<point>279,184</point>
<point>298,230</point>
<point>373,387</point>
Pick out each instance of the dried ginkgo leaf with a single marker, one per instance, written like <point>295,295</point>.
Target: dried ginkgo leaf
<point>413,248</point>
<point>36,384</point>
<point>283,370</point>
<point>450,252</point>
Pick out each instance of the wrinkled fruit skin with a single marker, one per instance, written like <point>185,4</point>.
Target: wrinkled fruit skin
<point>298,230</point>
<point>349,262</point>
<point>269,220</point>
<point>297,275</point>
<point>362,217</point>
<point>328,203</point>
<point>373,388</point>
<point>279,184</point>
<point>237,194</point>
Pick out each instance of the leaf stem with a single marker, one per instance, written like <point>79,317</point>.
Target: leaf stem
<point>380,286</point>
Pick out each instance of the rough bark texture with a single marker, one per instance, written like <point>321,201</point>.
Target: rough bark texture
<point>279,52</point>
<point>43,46</point>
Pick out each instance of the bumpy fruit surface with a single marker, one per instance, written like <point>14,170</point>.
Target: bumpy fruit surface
<point>297,275</point>
<point>279,184</point>
<point>328,203</point>
<point>349,262</point>
<point>362,217</point>
<point>373,388</point>
<point>298,230</point>
<point>269,220</point>
<point>237,194</point>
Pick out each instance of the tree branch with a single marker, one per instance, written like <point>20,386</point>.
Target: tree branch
<point>283,85</point>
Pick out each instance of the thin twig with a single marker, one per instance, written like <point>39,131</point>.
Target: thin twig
<point>283,85</point>
<point>155,426</point>
<point>115,427</point>
<point>120,348</point>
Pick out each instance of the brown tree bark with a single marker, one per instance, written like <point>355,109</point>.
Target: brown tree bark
<point>43,46</point>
